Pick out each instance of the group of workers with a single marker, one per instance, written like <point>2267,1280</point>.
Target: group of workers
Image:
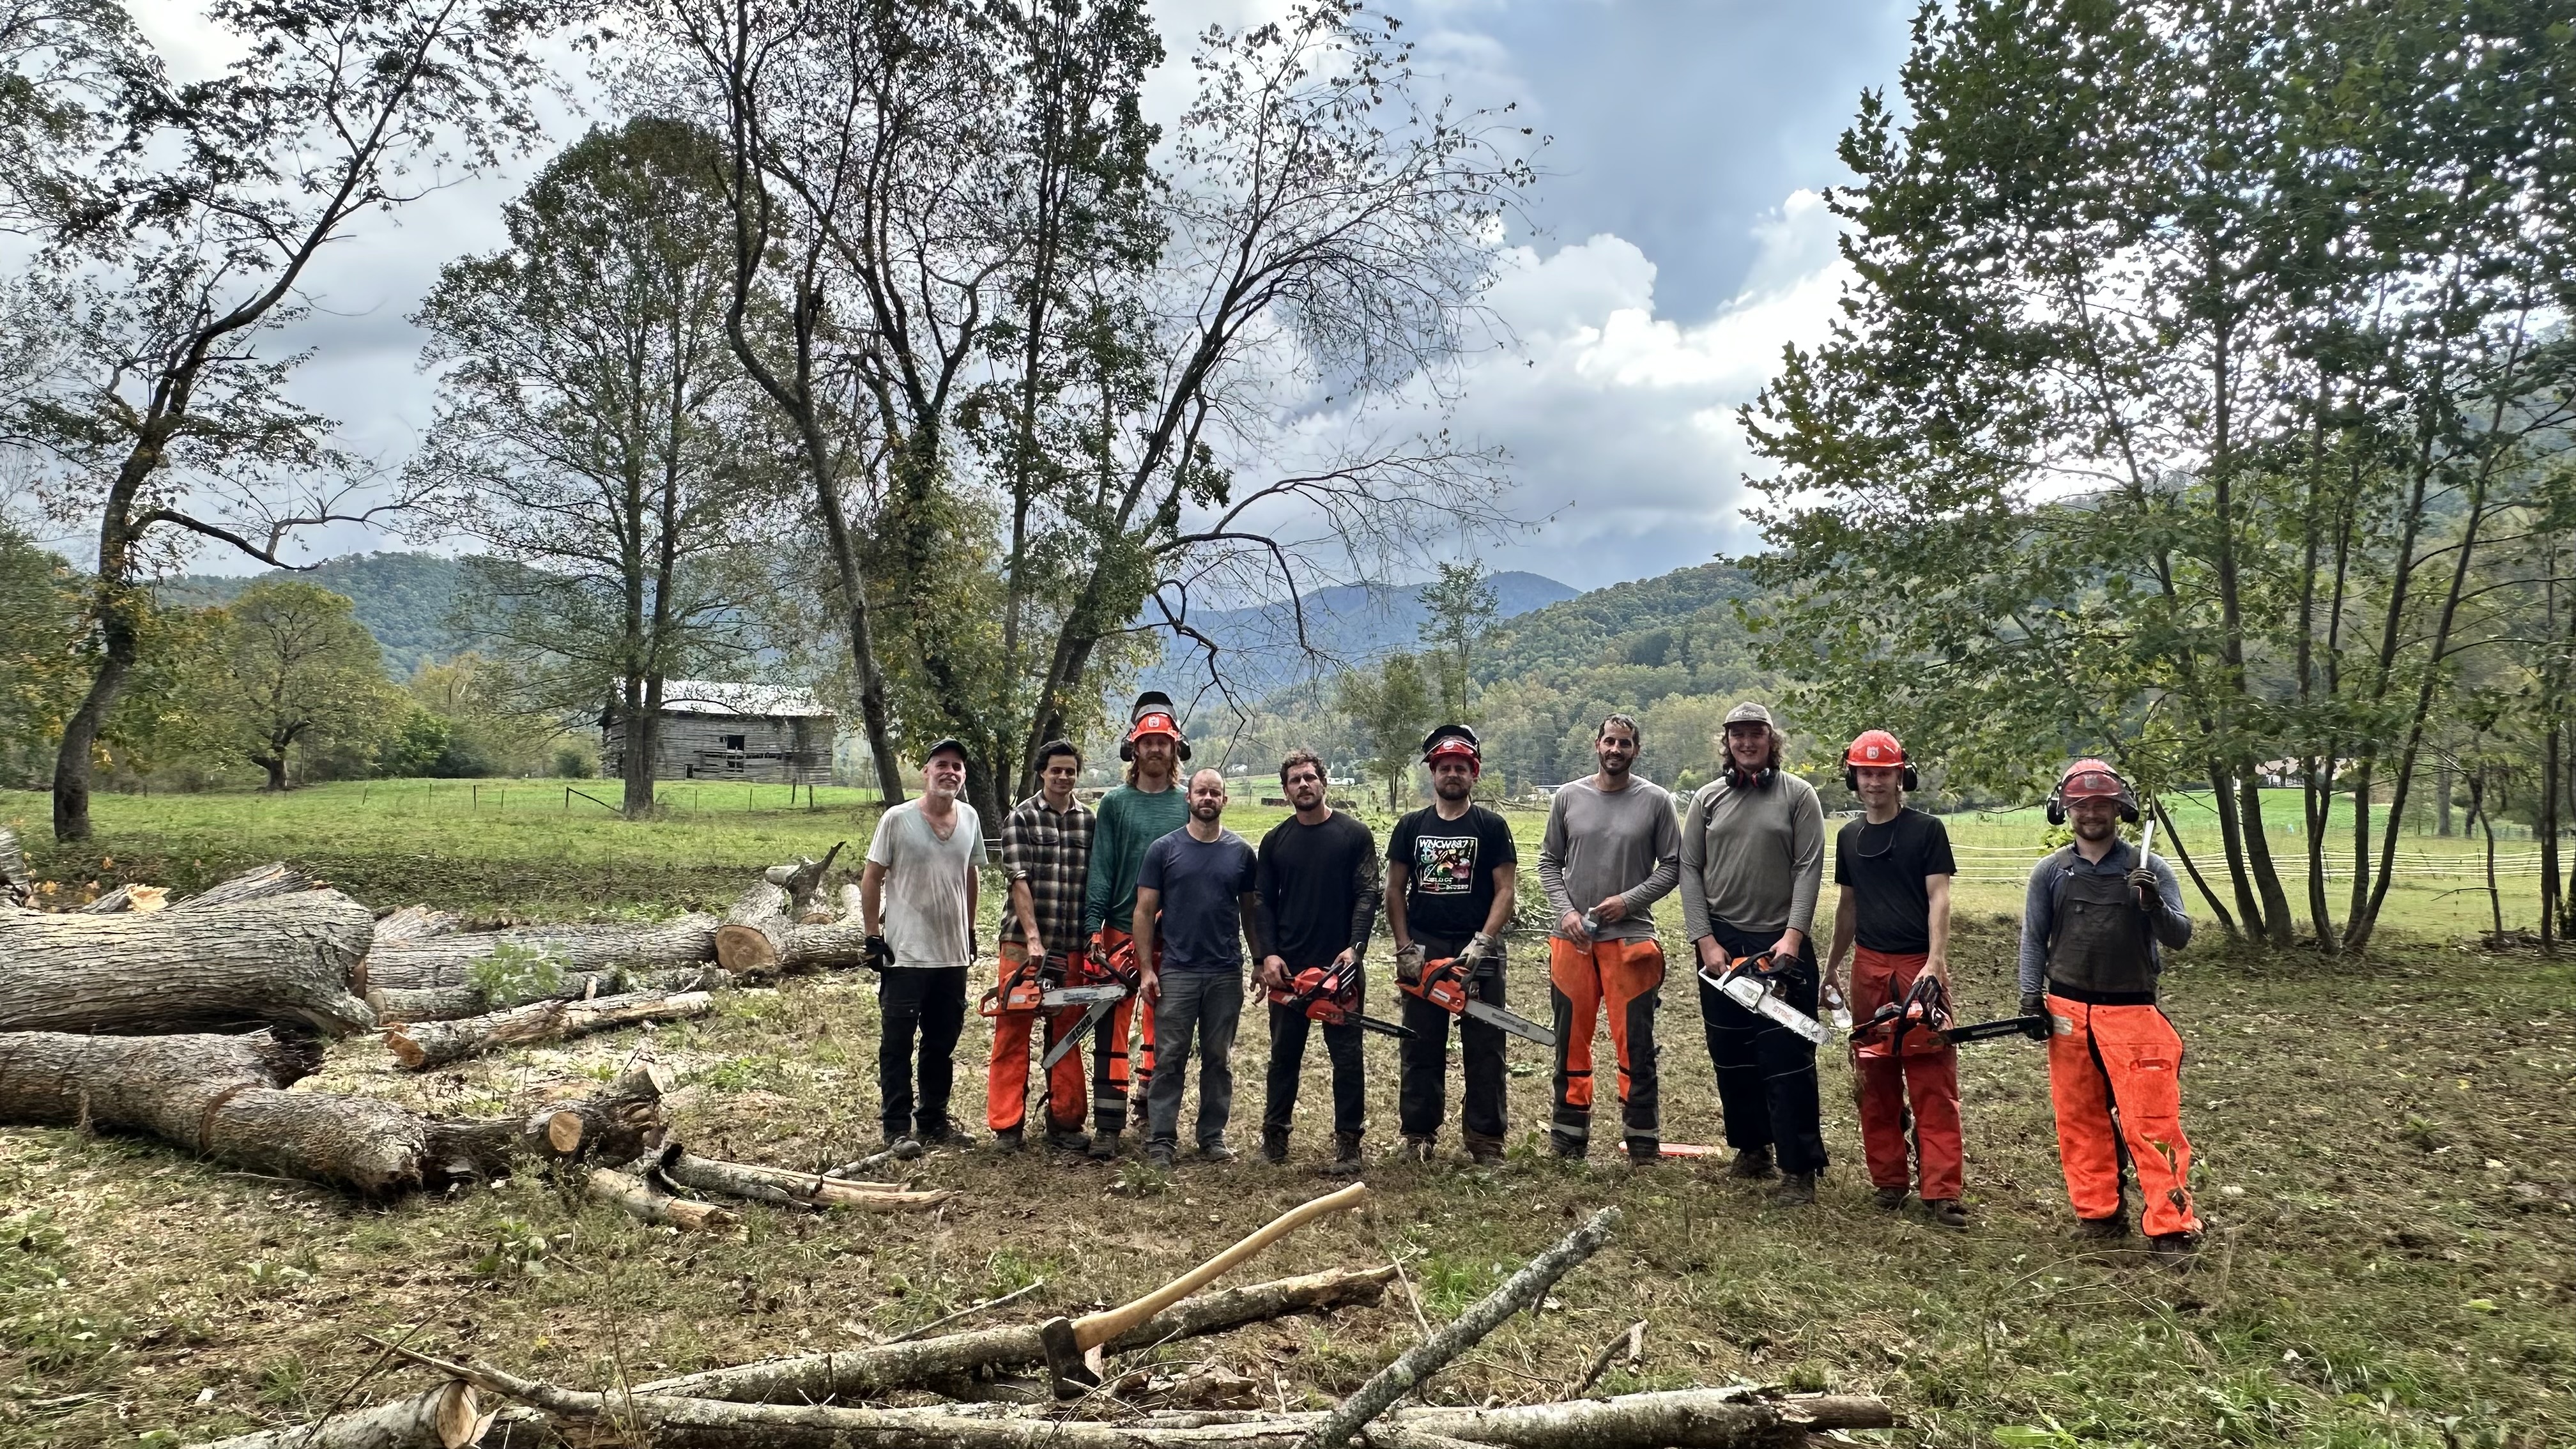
<point>1130,926</point>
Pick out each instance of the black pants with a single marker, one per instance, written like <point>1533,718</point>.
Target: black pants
<point>1422,1078</point>
<point>1766,1073</point>
<point>931,1003</point>
<point>1288,1029</point>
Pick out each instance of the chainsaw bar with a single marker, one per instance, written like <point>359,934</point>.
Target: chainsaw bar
<point>1513,1022</point>
<point>1081,1028</point>
<point>1748,990</point>
<point>2034,1027</point>
<point>1084,995</point>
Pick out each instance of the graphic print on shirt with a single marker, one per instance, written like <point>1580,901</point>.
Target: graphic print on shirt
<point>1444,865</point>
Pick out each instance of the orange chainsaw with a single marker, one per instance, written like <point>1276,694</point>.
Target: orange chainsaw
<point>1331,995</point>
<point>1449,983</point>
<point>1096,982</point>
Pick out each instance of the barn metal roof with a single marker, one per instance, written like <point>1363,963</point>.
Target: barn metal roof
<point>722,697</point>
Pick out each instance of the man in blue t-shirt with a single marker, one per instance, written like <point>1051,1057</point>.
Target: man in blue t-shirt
<point>1196,904</point>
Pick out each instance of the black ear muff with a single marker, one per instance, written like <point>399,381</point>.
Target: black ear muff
<point>1127,751</point>
<point>1182,748</point>
<point>2056,808</point>
<point>1851,779</point>
<point>1911,779</point>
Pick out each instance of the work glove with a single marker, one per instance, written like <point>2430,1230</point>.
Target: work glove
<point>1481,948</point>
<point>1408,962</point>
<point>876,955</point>
<point>2035,1004</point>
<point>2151,893</point>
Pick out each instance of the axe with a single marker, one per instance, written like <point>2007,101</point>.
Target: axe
<point>1070,1342</point>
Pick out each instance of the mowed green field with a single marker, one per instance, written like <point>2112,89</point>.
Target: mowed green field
<point>2386,1159</point>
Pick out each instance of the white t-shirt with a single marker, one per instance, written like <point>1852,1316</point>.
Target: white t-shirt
<point>923,911</point>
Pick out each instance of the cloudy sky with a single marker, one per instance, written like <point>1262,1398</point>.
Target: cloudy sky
<point>1675,245</point>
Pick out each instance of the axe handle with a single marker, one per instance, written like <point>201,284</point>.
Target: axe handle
<point>1096,1329</point>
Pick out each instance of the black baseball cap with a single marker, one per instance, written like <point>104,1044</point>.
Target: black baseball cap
<point>951,745</point>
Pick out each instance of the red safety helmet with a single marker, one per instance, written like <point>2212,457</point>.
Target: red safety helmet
<point>1453,742</point>
<point>1878,749</point>
<point>2091,779</point>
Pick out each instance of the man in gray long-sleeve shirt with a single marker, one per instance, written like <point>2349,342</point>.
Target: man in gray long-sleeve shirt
<point>1611,851</point>
<point>1753,858</point>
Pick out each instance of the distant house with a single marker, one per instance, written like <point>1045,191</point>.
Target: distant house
<point>713,730</point>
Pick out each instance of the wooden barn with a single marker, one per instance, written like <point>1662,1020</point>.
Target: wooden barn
<point>712,730</point>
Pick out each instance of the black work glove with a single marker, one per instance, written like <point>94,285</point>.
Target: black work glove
<point>876,955</point>
<point>2151,892</point>
<point>2035,1004</point>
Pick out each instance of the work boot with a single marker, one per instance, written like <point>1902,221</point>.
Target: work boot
<point>1217,1152</point>
<point>1069,1139</point>
<point>2094,1230</point>
<point>902,1144</point>
<point>1104,1145</point>
<point>1158,1156</point>
<point>1947,1212</point>
<point>1644,1152</point>
<point>1891,1198</point>
<point>1008,1140</point>
<point>1413,1149</point>
<point>940,1132</point>
<point>1485,1151</point>
<point>1753,1164</point>
<point>1274,1145</point>
<point>1346,1156</point>
<point>1572,1149</point>
<point>1797,1189</point>
<point>2175,1248</point>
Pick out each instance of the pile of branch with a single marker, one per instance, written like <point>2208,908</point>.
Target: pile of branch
<point>225,1098</point>
<point>708,1411</point>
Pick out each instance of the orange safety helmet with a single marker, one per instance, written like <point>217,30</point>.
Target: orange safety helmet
<point>1878,749</point>
<point>1454,741</point>
<point>2091,779</point>
<point>1153,714</point>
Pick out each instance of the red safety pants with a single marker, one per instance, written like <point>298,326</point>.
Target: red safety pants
<point>1006,1086</point>
<point>1927,1080</point>
<point>2115,1077</point>
<point>1110,1072</point>
<point>1624,976</point>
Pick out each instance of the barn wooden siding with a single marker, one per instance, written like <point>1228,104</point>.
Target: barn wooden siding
<point>762,749</point>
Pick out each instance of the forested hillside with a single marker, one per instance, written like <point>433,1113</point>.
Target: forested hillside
<point>1348,624</point>
<point>402,598</point>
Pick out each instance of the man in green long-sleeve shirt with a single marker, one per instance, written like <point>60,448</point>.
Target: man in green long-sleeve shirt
<point>1131,818</point>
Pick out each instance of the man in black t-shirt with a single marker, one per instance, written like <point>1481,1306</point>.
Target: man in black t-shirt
<point>1449,878</point>
<point>1894,867</point>
<point>1318,885</point>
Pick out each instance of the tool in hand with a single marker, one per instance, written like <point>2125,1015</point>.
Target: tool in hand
<point>2146,844</point>
<point>1448,984</point>
<point>1072,1343</point>
<point>1102,983</point>
<point>1331,995</point>
<point>1752,982</point>
<point>1926,1008</point>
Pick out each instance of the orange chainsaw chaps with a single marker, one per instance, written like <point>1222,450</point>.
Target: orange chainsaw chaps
<point>2128,1059</point>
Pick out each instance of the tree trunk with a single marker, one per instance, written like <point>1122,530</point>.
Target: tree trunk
<point>224,1098</point>
<point>419,1046</point>
<point>641,731</point>
<point>412,923</point>
<point>17,881</point>
<point>2277,926</point>
<point>446,1417</point>
<point>279,879</point>
<point>872,1372</point>
<point>449,960</point>
<point>645,1203</point>
<point>2181,852</point>
<point>120,640</point>
<point>284,960</point>
<point>2442,801</point>
<point>275,765</point>
<point>754,934</point>
<point>454,1003</point>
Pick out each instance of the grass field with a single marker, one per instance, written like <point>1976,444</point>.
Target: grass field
<point>2387,1157</point>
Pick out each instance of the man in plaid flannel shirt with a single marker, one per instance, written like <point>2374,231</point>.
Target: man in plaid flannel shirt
<point>1046,858</point>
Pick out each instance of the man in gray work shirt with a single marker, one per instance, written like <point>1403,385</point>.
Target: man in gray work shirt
<point>1612,849</point>
<point>1753,858</point>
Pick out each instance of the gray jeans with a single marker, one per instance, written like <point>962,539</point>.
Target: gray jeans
<point>1207,1005</point>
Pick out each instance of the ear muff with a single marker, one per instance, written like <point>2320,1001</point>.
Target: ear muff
<point>1851,776</point>
<point>1743,779</point>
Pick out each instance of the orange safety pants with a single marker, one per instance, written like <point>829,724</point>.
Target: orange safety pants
<point>1006,1085</point>
<point>2115,1078</point>
<point>1625,976</point>
<point>1110,1072</point>
<point>1927,1081</point>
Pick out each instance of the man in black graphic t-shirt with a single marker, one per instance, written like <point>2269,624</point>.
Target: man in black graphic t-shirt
<point>1449,879</point>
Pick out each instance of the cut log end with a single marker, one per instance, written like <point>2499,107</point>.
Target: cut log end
<point>563,1132</point>
<point>743,948</point>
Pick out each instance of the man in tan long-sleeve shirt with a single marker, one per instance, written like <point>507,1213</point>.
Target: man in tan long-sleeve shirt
<point>1611,851</point>
<point>1753,858</point>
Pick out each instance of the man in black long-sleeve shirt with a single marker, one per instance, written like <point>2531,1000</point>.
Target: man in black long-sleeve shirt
<point>1319,891</point>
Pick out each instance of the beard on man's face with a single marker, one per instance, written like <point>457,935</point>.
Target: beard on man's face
<point>1450,786</point>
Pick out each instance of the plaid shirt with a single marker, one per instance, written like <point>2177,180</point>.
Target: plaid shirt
<point>1050,850</point>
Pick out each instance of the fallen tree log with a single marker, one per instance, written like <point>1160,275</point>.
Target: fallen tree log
<point>413,923</point>
<point>17,882</point>
<point>420,1045</point>
<point>641,1200</point>
<point>452,1003</point>
<point>262,884</point>
<point>754,933</point>
<point>225,1098</point>
<point>446,1417</point>
<point>677,1169</point>
<point>1679,1419</point>
<point>234,965</point>
<point>448,960</point>
<point>982,1353</point>
<point>129,897</point>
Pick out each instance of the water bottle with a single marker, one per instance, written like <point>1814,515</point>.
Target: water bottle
<point>1592,923</point>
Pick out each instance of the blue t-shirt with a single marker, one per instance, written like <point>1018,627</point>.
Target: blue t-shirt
<point>1202,884</point>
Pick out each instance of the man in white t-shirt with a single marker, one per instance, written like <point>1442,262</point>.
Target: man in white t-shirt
<point>917,899</point>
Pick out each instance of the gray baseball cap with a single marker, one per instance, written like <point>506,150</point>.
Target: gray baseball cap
<point>1750,713</point>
